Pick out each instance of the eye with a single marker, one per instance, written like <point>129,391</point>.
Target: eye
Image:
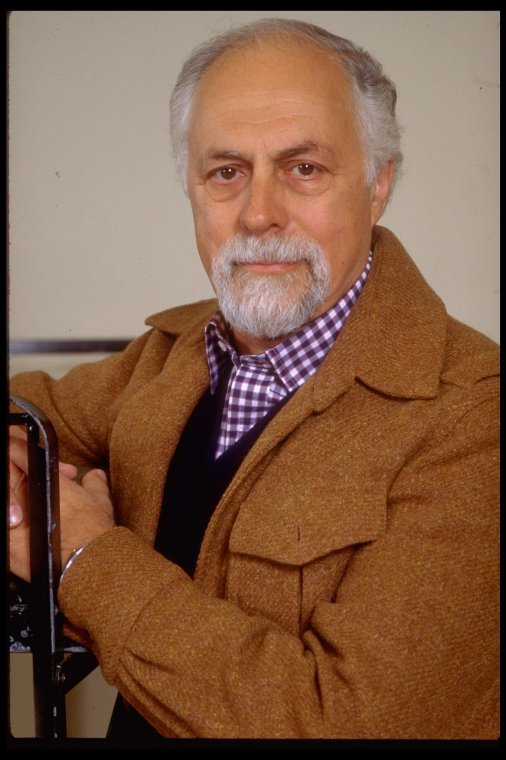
<point>304,170</point>
<point>225,174</point>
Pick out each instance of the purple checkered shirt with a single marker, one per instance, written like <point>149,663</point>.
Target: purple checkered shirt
<point>257,382</point>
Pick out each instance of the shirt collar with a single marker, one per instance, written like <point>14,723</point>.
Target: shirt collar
<point>294,359</point>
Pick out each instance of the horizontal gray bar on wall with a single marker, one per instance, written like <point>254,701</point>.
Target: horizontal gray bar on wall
<point>68,346</point>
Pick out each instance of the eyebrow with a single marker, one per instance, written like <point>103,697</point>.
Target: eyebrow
<point>297,150</point>
<point>282,155</point>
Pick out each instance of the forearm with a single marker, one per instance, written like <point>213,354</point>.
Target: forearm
<point>192,664</point>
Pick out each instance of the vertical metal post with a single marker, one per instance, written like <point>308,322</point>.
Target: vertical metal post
<point>58,663</point>
<point>45,568</point>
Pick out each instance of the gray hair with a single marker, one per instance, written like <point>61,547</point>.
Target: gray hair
<point>375,94</point>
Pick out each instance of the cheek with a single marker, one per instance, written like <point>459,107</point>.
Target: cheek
<point>212,228</point>
<point>324,222</point>
<point>346,216</point>
<point>342,226</point>
<point>205,233</point>
<point>202,239</point>
<point>214,222</point>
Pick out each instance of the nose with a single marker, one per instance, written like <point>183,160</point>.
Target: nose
<point>263,209</point>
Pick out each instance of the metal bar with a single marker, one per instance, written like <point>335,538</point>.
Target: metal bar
<point>53,673</point>
<point>45,569</point>
<point>72,670</point>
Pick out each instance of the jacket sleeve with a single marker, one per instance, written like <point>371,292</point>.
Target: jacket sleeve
<point>406,649</point>
<point>82,404</point>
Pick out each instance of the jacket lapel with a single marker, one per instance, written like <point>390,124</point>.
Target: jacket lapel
<point>392,342</point>
<point>158,412</point>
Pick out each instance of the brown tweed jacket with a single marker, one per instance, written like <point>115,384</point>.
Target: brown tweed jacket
<point>347,582</point>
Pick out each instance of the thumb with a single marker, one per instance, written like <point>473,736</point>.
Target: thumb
<point>98,474</point>
<point>95,481</point>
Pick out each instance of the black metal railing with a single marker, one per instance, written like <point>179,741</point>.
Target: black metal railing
<point>36,625</point>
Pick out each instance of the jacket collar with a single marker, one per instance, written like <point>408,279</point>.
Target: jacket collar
<point>393,340</point>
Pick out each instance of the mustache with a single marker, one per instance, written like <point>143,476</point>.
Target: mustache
<point>272,250</point>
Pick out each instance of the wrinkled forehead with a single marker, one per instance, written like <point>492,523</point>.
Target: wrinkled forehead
<point>260,75</point>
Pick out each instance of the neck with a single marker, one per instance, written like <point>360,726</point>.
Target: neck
<point>249,344</point>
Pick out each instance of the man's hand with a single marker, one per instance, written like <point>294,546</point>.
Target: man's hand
<point>86,510</point>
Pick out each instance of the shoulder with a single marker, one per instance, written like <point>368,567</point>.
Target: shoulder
<point>414,318</point>
<point>470,357</point>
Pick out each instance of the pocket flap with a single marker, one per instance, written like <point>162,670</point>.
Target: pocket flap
<point>295,532</point>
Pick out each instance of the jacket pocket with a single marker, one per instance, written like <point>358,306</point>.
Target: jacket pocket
<point>286,556</point>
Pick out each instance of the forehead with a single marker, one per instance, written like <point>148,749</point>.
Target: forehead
<point>269,87</point>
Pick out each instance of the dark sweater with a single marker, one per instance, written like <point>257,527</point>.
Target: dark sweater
<point>195,483</point>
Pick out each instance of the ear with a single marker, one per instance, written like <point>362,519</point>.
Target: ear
<point>380,191</point>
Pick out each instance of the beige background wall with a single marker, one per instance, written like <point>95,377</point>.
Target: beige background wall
<point>101,235</point>
<point>100,232</point>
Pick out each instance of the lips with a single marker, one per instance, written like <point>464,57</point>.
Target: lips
<point>269,268</point>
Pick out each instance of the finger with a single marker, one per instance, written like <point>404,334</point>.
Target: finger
<point>15,514</point>
<point>18,432</point>
<point>95,482</point>
<point>67,469</point>
<point>18,494</point>
<point>18,453</point>
<point>98,474</point>
<point>86,510</point>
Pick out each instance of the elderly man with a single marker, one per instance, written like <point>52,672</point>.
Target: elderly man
<point>297,534</point>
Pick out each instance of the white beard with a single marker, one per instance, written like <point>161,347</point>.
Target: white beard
<point>270,306</point>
